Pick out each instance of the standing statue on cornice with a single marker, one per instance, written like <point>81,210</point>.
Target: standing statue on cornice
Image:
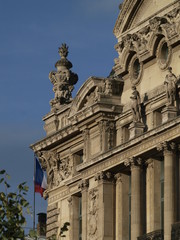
<point>63,80</point>
<point>170,85</point>
<point>136,105</point>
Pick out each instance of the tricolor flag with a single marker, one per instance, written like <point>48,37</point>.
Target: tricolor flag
<point>40,181</point>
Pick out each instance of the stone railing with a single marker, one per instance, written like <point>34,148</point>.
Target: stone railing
<point>175,232</point>
<point>155,235</point>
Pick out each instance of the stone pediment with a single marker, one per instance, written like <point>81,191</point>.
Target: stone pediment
<point>95,90</point>
<point>134,12</point>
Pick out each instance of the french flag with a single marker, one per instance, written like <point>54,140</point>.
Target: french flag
<point>40,179</point>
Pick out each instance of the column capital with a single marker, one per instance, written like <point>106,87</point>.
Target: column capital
<point>69,199</point>
<point>104,176</point>
<point>133,162</point>
<point>118,177</point>
<point>167,146</point>
<point>84,184</point>
<point>149,163</point>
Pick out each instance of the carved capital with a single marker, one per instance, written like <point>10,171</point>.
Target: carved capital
<point>69,200</point>
<point>118,177</point>
<point>167,147</point>
<point>84,184</point>
<point>104,176</point>
<point>149,163</point>
<point>133,162</point>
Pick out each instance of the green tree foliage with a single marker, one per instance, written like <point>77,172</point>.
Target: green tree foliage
<point>13,205</point>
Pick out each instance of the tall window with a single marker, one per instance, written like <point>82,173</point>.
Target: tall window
<point>162,194</point>
<point>80,218</point>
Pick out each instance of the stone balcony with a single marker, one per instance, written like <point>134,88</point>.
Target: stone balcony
<point>155,235</point>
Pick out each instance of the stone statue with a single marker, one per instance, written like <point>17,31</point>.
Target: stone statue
<point>136,105</point>
<point>63,80</point>
<point>170,84</point>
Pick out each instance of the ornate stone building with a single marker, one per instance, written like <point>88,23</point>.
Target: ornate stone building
<point>112,153</point>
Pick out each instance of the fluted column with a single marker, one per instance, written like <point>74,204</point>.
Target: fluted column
<point>84,193</point>
<point>136,223</point>
<point>169,187</point>
<point>122,206</point>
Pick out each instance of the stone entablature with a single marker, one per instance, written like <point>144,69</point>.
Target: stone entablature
<point>134,147</point>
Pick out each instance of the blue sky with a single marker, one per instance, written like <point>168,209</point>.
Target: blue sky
<point>30,34</point>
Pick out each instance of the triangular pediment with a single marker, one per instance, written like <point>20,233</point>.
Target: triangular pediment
<point>134,12</point>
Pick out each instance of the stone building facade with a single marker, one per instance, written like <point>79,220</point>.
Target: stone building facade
<point>112,153</point>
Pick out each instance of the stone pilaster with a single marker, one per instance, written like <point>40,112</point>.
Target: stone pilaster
<point>136,221</point>
<point>122,206</point>
<point>84,193</point>
<point>106,211</point>
<point>169,187</point>
<point>153,195</point>
<point>107,135</point>
<point>86,144</point>
<point>102,134</point>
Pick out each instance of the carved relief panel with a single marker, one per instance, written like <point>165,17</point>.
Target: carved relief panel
<point>93,214</point>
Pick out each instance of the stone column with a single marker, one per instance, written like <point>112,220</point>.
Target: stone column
<point>73,217</point>
<point>153,195</point>
<point>106,211</point>
<point>122,206</point>
<point>84,192</point>
<point>136,223</point>
<point>169,187</point>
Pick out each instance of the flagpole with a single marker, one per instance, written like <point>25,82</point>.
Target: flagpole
<point>34,194</point>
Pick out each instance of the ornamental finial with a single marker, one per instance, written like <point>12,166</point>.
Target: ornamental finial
<point>63,50</point>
